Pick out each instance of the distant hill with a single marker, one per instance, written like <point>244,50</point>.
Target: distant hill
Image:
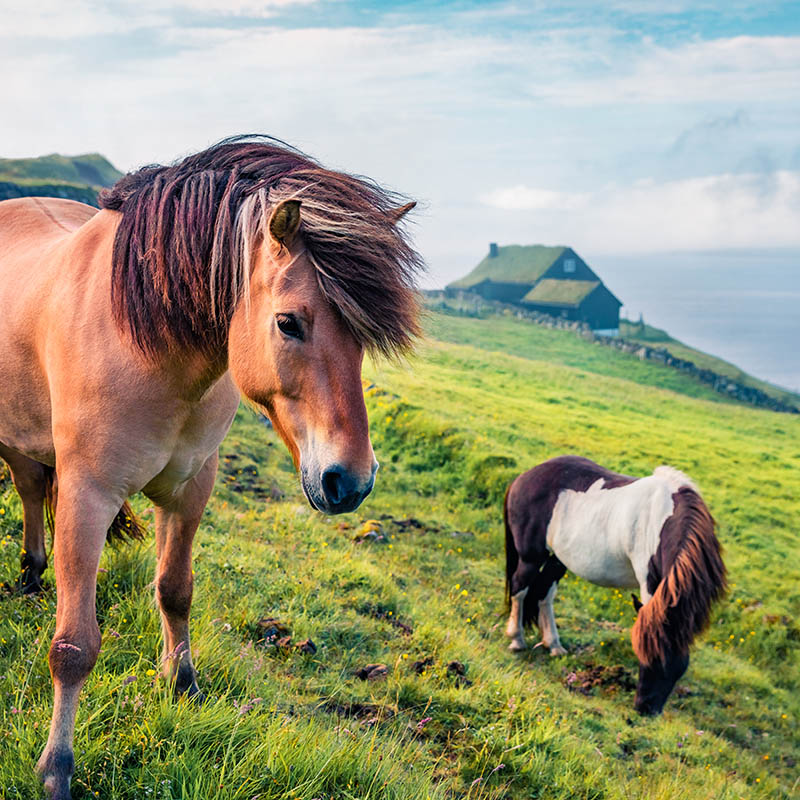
<point>71,177</point>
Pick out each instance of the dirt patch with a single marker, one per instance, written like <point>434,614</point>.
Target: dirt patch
<point>386,616</point>
<point>608,680</point>
<point>422,664</point>
<point>458,672</point>
<point>366,713</point>
<point>372,672</point>
<point>244,479</point>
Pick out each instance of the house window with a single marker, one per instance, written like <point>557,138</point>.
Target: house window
<point>569,265</point>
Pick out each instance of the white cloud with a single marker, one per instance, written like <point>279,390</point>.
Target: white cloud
<point>56,19</point>
<point>526,198</point>
<point>712,212</point>
<point>737,70</point>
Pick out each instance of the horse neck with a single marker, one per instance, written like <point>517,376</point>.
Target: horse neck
<point>193,374</point>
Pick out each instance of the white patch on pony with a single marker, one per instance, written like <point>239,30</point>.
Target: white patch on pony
<point>607,536</point>
<point>675,478</point>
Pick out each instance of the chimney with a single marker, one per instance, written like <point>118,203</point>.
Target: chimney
<point>493,250</point>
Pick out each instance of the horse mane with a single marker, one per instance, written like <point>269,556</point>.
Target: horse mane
<point>183,249</point>
<point>680,607</point>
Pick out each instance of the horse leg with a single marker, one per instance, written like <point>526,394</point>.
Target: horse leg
<point>176,522</point>
<point>519,586</point>
<point>551,574</point>
<point>30,480</point>
<point>83,516</point>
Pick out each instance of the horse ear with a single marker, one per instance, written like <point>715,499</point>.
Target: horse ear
<point>398,213</point>
<point>637,603</point>
<point>285,221</point>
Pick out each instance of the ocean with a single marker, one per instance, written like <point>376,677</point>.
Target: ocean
<point>741,306</point>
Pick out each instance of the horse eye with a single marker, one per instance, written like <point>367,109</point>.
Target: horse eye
<point>289,326</point>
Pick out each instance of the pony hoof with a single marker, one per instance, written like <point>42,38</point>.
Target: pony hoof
<point>517,646</point>
<point>558,651</point>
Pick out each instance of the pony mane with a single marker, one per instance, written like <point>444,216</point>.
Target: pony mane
<point>184,246</point>
<point>680,607</point>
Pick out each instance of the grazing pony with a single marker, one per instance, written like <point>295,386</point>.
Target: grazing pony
<point>654,533</point>
<point>127,336</point>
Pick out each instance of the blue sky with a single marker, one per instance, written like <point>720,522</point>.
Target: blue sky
<point>620,127</point>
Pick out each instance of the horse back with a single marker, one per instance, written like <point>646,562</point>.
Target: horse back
<point>36,235</point>
<point>31,219</point>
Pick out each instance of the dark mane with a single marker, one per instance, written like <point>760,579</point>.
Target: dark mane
<point>182,251</point>
<point>686,577</point>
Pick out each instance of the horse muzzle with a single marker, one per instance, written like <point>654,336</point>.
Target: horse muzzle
<point>335,489</point>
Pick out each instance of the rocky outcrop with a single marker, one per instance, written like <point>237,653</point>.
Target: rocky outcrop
<point>472,304</point>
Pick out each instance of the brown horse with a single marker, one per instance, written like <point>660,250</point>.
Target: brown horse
<point>128,334</point>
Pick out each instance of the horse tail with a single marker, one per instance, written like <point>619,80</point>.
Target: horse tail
<point>50,496</point>
<point>512,557</point>
<point>125,526</point>
<point>680,607</point>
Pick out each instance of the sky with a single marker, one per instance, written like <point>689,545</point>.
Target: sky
<point>620,127</point>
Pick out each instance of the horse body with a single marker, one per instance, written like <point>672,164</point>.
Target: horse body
<point>127,336</point>
<point>74,388</point>
<point>654,533</point>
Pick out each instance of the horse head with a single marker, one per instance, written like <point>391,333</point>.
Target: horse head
<point>658,678</point>
<point>292,352</point>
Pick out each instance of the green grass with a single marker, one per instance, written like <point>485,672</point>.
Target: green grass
<point>89,169</point>
<point>450,428</point>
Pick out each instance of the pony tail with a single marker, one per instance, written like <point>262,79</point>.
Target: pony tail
<point>680,608</point>
<point>512,557</point>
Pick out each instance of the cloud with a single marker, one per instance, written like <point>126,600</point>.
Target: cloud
<point>737,69</point>
<point>59,20</point>
<point>718,211</point>
<point>526,198</point>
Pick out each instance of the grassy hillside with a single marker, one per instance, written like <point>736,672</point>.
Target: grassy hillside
<point>656,337</point>
<point>72,177</point>
<point>457,715</point>
<point>90,169</point>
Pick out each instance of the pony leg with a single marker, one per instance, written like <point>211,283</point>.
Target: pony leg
<point>547,624</point>
<point>83,516</point>
<point>515,626</point>
<point>519,585</point>
<point>176,523</point>
<point>551,574</point>
<point>30,480</point>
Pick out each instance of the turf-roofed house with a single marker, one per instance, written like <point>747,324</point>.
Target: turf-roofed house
<point>551,280</point>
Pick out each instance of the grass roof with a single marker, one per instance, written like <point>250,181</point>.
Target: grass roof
<point>560,292</point>
<point>513,263</point>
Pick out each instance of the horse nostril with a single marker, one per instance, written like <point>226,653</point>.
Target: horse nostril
<point>333,484</point>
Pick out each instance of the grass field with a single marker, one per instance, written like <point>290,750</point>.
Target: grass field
<point>456,715</point>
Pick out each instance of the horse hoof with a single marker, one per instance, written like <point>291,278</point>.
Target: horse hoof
<point>55,771</point>
<point>517,646</point>
<point>558,651</point>
<point>191,694</point>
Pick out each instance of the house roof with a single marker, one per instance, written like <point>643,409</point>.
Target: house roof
<point>515,263</point>
<point>560,292</point>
